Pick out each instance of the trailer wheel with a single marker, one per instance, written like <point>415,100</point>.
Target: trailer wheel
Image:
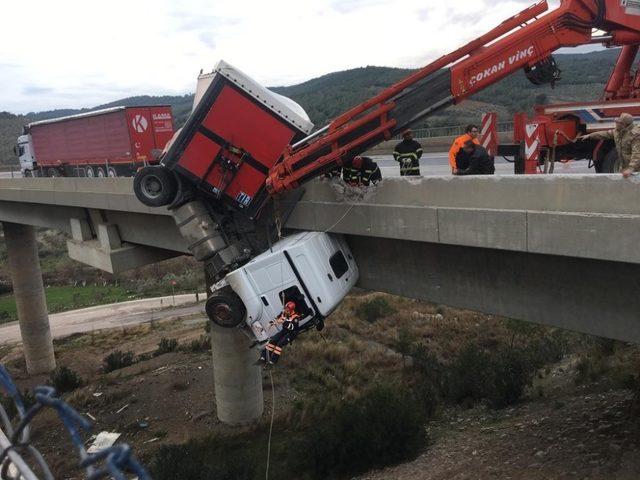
<point>155,186</point>
<point>611,162</point>
<point>100,172</point>
<point>111,172</point>
<point>224,308</point>
<point>90,173</point>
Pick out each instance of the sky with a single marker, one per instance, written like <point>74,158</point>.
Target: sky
<point>80,53</point>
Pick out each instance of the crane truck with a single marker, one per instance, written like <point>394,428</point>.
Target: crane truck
<point>231,175</point>
<point>549,135</point>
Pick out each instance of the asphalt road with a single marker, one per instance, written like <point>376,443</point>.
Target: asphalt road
<point>15,174</point>
<point>438,164</point>
<point>116,315</point>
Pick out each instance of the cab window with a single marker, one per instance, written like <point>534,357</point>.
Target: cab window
<point>339,264</point>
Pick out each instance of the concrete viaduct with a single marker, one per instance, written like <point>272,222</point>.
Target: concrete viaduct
<point>555,250</point>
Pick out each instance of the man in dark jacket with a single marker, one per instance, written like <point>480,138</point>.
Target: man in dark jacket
<point>480,162</point>
<point>408,153</point>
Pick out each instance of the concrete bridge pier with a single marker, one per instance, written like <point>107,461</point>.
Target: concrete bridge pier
<point>28,289</point>
<point>237,381</point>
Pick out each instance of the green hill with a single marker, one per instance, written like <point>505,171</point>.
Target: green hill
<point>325,97</point>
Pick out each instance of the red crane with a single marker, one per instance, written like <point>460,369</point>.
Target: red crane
<point>525,41</point>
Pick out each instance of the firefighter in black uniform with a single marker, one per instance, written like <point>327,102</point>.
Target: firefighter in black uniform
<point>361,171</point>
<point>369,171</point>
<point>335,173</point>
<point>408,153</point>
<point>350,174</point>
<point>290,321</point>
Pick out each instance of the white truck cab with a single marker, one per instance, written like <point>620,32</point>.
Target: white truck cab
<point>24,152</point>
<point>315,270</point>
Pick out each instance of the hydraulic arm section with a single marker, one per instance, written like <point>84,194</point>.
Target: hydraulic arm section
<point>525,41</point>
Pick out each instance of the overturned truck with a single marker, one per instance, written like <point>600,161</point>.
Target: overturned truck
<point>213,178</point>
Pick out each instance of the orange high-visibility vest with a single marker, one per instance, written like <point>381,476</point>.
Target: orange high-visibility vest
<point>458,143</point>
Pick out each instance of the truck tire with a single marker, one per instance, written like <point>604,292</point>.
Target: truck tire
<point>611,162</point>
<point>224,308</point>
<point>90,172</point>
<point>100,172</point>
<point>53,172</point>
<point>111,172</point>
<point>27,174</point>
<point>155,186</point>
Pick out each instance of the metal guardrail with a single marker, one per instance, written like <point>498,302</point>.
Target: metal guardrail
<point>452,131</point>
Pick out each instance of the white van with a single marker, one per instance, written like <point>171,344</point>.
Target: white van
<point>315,270</point>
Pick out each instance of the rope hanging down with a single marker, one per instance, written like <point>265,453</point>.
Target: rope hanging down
<point>113,462</point>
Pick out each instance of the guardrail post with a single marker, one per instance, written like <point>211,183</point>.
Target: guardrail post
<point>28,290</point>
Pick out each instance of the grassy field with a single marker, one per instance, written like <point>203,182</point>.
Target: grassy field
<point>68,298</point>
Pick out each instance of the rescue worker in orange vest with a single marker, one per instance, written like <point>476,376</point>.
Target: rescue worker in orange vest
<point>289,320</point>
<point>457,161</point>
<point>408,153</point>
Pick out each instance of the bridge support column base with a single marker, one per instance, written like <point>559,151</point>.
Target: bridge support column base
<point>237,381</point>
<point>28,290</point>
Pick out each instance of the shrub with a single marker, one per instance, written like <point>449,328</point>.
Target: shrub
<point>373,310</point>
<point>466,375</point>
<point>64,380</point>
<point>202,344</point>
<point>383,427</point>
<point>117,360</point>
<point>166,345</point>
<point>404,344</point>
<point>510,374</point>
<point>546,350</point>
<point>28,399</point>
<point>193,461</point>
<point>430,379</point>
<point>499,377</point>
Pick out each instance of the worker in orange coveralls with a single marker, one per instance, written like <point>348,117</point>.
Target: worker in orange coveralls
<point>289,319</point>
<point>457,161</point>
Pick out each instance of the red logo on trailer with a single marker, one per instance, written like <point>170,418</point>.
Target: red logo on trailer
<point>490,133</point>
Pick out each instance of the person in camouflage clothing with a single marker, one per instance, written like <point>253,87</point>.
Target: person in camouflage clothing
<point>626,136</point>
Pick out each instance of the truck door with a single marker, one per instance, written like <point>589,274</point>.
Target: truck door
<point>141,133</point>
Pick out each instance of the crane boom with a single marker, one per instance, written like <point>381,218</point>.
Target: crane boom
<point>526,40</point>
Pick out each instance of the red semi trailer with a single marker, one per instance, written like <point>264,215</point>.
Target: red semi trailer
<point>111,142</point>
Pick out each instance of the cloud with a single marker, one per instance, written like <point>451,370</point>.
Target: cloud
<point>36,90</point>
<point>77,54</point>
<point>349,6</point>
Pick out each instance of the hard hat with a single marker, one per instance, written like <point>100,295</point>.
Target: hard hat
<point>408,131</point>
<point>290,306</point>
<point>357,162</point>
